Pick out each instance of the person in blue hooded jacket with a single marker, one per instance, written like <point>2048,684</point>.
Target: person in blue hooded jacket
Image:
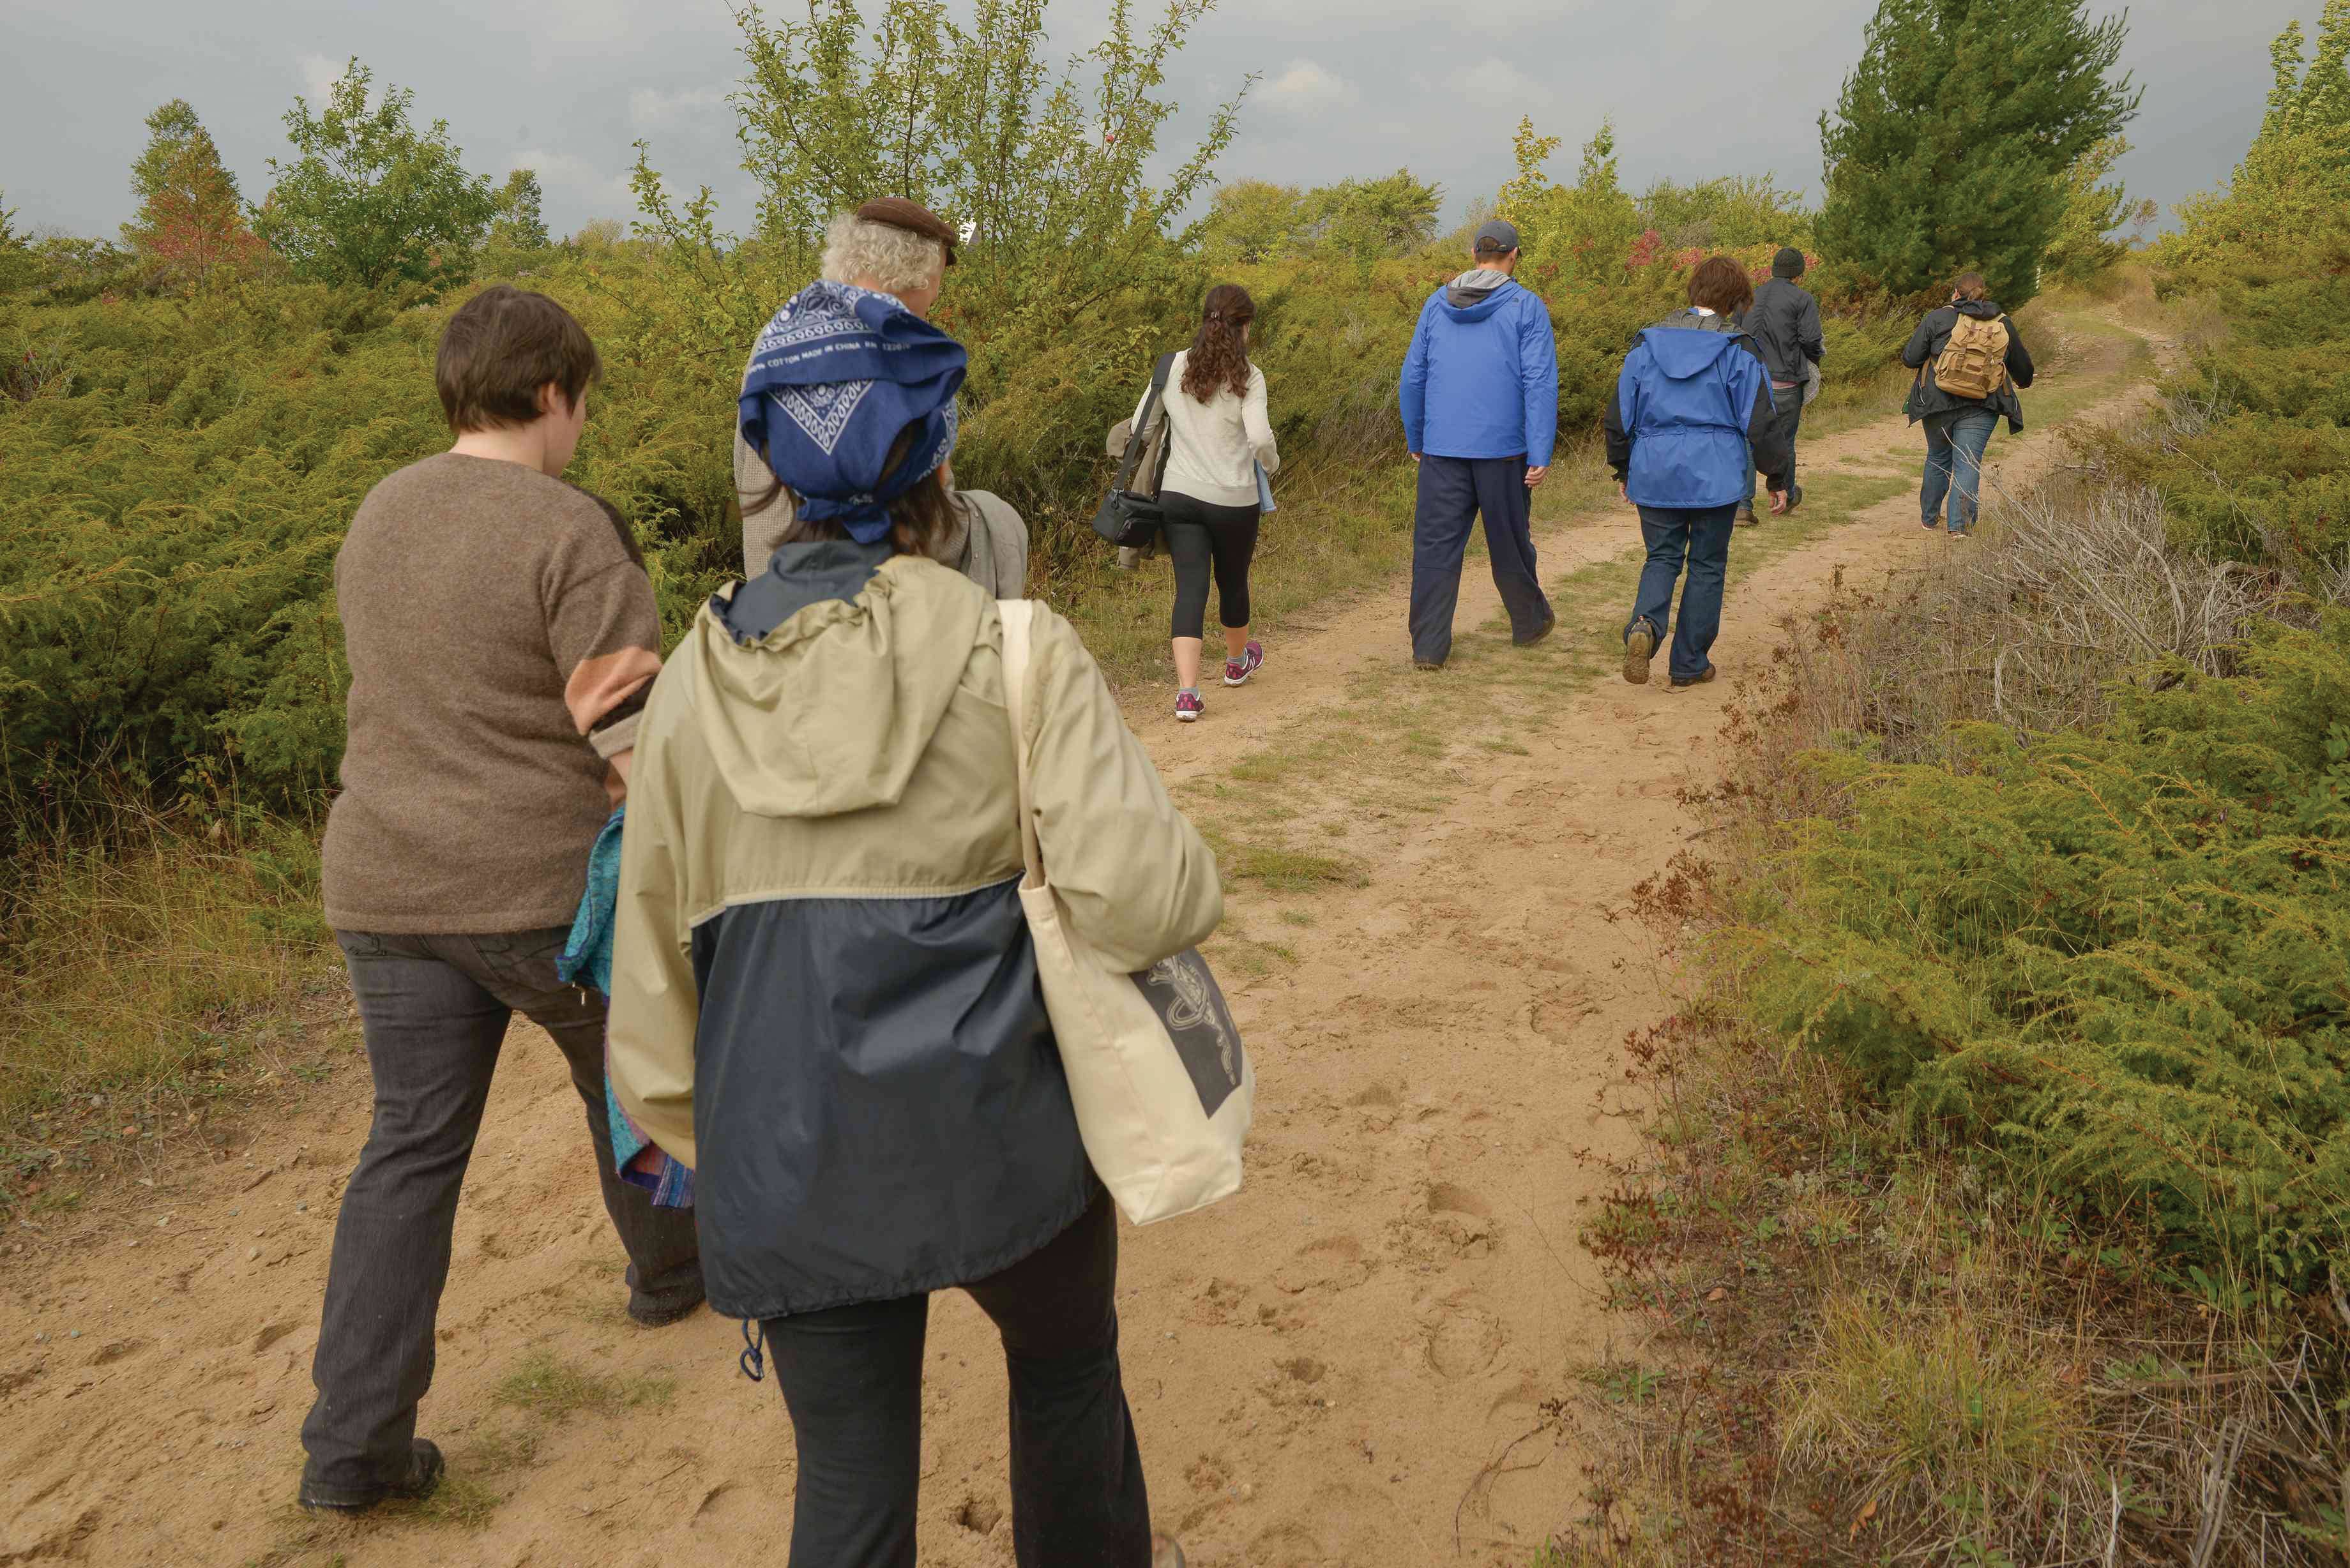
<point>1480,401</point>
<point>1693,419</point>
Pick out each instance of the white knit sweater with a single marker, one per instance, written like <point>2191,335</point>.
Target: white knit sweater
<point>1214,446</point>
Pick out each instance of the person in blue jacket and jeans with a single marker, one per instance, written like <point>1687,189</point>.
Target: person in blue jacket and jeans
<point>1691,421</point>
<point>1479,400</point>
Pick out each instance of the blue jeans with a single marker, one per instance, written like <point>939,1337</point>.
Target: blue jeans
<point>1955,442</point>
<point>1700,537</point>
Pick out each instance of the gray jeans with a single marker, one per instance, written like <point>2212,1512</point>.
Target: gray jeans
<point>434,1010</point>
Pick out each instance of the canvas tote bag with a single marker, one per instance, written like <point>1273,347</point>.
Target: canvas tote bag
<point>1162,1088</point>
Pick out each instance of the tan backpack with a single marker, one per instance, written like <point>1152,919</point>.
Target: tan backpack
<point>1973,364</point>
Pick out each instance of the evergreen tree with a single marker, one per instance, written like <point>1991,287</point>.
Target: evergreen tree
<point>1950,142</point>
<point>2284,208</point>
<point>371,199</point>
<point>191,219</point>
<point>518,224</point>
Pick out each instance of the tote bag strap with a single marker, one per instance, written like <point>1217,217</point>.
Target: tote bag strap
<point>1019,621</point>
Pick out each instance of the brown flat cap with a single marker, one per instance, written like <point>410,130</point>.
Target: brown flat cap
<point>911,216</point>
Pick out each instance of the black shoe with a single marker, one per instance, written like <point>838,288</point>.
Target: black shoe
<point>1548,628</point>
<point>424,1470</point>
<point>660,1314</point>
<point>1427,666</point>
<point>1677,684</point>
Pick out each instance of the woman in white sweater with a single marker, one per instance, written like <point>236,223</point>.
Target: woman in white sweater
<point>1216,434</point>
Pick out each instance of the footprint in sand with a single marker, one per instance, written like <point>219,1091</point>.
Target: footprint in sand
<point>1333,1263</point>
<point>1460,1337</point>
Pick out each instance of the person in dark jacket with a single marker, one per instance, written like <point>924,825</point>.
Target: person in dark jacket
<point>825,995</point>
<point>1958,430</point>
<point>1479,396</point>
<point>1691,421</point>
<point>1784,322</point>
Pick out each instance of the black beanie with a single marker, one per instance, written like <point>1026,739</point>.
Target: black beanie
<point>1788,263</point>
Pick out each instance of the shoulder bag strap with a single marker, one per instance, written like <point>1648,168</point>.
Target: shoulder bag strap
<point>1019,621</point>
<point>1139,437</point>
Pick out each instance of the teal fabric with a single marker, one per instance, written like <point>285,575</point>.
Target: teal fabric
<point>587,961</point>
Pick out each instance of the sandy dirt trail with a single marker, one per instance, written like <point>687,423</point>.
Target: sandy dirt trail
<point>1356,1361</point>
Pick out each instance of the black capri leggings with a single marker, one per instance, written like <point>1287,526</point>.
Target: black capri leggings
<point>1200,538</point>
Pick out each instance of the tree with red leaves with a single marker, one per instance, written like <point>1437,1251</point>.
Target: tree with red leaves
<point>190,224</point>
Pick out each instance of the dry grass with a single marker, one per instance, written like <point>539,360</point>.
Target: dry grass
<point>2073,585</point>
<point>145,974</point>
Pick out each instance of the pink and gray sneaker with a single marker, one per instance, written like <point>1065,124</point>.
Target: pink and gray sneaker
<point>1238,670</point>
<point>1188,706</point>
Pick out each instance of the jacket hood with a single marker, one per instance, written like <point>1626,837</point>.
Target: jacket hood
<point>821,682</point>
<point>1981,309</point>
<point>1477,294</point>
<point>1688,345</point>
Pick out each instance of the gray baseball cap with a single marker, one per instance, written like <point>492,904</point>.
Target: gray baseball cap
<point>1496,231</point>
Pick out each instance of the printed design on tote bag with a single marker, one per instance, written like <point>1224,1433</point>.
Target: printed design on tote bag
<point>1190,1006</point>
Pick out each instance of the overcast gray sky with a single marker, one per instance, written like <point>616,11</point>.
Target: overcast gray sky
<point>1350,87</point>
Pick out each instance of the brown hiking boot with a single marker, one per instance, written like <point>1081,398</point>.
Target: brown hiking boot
<point>1639,647</point>
<point>1677,684</point>
<point>1745,518</point>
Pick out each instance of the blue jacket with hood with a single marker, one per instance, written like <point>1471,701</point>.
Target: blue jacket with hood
<point>1481,376</point>
<point>1692,416</point>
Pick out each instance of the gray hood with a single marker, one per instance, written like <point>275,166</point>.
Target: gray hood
<point>1472,286</point>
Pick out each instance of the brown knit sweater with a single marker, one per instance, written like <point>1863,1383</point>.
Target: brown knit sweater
<point>502,633</point>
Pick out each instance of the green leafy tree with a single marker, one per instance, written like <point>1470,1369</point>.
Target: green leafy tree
<point>1253,221</point>
<point>371,199</point>
<point>191,222</point>
<point>973,121</point>
<point>1586,229</point>
<point>1366,220</point>
<point>516,223</point>
<point>1950,142</point>
<point>2094,210</point>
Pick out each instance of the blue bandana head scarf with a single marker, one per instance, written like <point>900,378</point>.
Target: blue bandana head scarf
<point>836,374</point>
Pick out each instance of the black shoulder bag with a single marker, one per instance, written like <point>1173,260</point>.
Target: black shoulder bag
<point>1126,519</point>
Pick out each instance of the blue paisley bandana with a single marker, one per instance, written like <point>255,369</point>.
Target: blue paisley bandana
<point>836,374</point>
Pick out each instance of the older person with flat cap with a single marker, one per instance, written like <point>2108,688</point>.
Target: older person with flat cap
<point>902,249</point>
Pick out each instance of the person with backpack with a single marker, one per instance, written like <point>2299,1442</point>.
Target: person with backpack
<point>1218,435</point>
<point>1480,401</point>
<point>1691,421</point>
<point>1970,361</point>
<point>1784,322</point>
<point>825,997</point>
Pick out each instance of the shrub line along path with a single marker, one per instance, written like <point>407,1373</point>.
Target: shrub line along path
<point>1363,1359</point>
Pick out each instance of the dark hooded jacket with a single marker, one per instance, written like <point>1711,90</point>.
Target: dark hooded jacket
<point>1926,344</point>
<point>823,993</point>
<point>1784,322</point>
<point>1692,416</point>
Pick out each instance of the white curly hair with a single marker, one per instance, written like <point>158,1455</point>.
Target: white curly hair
<point>895,258</point>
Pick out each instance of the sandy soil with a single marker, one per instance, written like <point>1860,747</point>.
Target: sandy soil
<point>1362,1359</point>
